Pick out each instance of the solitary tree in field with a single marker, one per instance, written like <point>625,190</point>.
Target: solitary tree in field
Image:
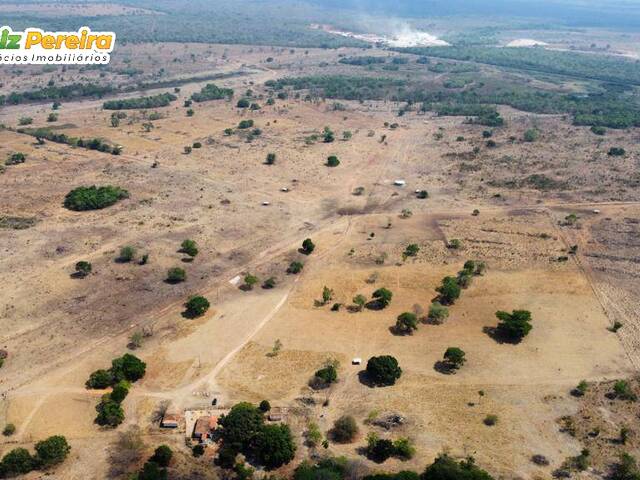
<point>383,370</point>
<point>383,297</point>
<point>515,325</point>
<point>196,306</point>
<point>454,357</point>
<point>407,322</point>
<point>189,247</point>
<point>308,247</point>
<point>249,281</point>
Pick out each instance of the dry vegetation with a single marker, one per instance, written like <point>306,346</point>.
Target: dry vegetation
<point>57,328</point>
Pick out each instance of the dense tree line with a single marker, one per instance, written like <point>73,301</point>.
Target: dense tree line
<point>594,67</point>
<point>155,101</point>
<point>211,92</point>
<point>63,92</point>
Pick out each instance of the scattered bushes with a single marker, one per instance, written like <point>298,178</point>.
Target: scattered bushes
<point>93,198</point>
<point>211,92</point>
<point>380,449</point>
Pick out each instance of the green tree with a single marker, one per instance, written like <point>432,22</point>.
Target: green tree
<point>127,253</point>
<point>295,267</point>
<point>100,379</point>
<point>327,135</point>
<point>128,367</point>
<point>250,281</point>
<point>411,251</point>
<point>110,413</point>
<point>274,446</point>
<point>162,455</point>
<point>243,103</point>
<point>325,376</point>
<point>514,326</point>
<point>189,247</point>
<point>93,198</point>
<point>379,449</point>
<point>332,161</point>
<point>454,357</point>
<point>531,135</point>
<point>407,322</point>
<point>308,246</point>
<point>446,468</point>
<point>83,268</point>
<point>383,297</point>
<point>327,295</point>
<point>52,451</point>
<point>120,391</point>
<point>152,471</point>
<point>196,306</point>
<point>241,426</point>
<point>383,370</point>
<point>176,275</point>
<point>449,291</point>
<point>264,406</point>
<point>17,462</point>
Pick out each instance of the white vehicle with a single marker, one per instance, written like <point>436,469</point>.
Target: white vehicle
<point>266,204</point>
<point>399,183</point>
<point>356,361</point>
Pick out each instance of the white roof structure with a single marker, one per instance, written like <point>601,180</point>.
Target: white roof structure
<point>399,183</point>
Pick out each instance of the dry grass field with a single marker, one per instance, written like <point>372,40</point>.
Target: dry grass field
<point>58,329</point>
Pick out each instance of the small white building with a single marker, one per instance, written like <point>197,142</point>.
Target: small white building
<point>399,183</point>
<point>356,361</point>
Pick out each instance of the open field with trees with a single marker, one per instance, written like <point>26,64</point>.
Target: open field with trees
<point>368,263</point>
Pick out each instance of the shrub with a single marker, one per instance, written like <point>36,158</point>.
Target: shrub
<point>622,390</point>
<point>333,161</point>
<point>438,313</point>
<point>197,145</point>
<point>411,251</point>
<point>83,268</point>
<point>422,194</point>
<point>360,301</point>
<point>406,322</point>
<point>9,429</point>
<point>598,130</point>
<point>269,283</point>
<point>490,420</point>
<point>327,135</point>
<point>189,247</point>
<point>327,294</point>
<point>580,389</point>
<point>325,376</point>
<point>271,159</point>
<point>198,450</point>
<point>190,112</point>
<point>196,306</point>
<point>454,244</point>
<point>379,449</point>
<point>162,455</point>
<point>383,370</point>
<point>25,121</point>
<point>176,275</point>
<point>53,450</point>
<point>295,267</point>
<point>308,247</point>
<point>249,281</point>
<point>243,103</point>
<point>514,326</point>
<point>446,468</point>
<point>244,124</point>
<point>152,471</point>
<point>15,158</point>
<point>188,150</point>
<point>127,253</point>
<point>404,449</point>
<point>617,152</point>
<point>93,198</point>
<point>264,406</point>
<point>454,357</point>
<point>344,429</point>
<point>531,135</point>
